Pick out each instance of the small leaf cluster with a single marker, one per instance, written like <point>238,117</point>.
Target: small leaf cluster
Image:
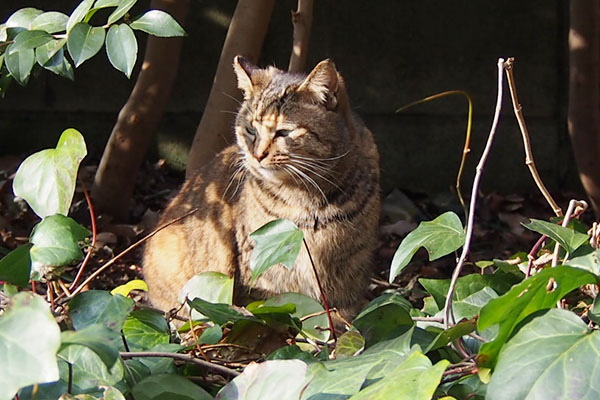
<point>46,181</point>
<point>31,38</point>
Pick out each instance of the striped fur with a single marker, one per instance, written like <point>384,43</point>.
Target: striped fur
<point>301,154</point>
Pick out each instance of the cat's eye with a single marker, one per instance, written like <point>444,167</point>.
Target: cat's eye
<point>282,133</point>
<point>250,131</point>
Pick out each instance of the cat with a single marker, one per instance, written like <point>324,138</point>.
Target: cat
<point>300,154</point>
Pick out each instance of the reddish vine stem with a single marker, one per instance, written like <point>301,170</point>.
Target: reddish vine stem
<point>325,304</point>
<point>473,203</point>
<point>533,252</point>
<point>127,250</point>
<point>94,235</point>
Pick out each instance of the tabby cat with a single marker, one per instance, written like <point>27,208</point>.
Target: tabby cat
<point>301,154</point>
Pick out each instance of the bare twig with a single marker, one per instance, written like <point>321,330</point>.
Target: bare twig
<point>518,109</point>
<point>428,319</point>
<point>182,357</point>
<point>473,202</point>
<point>302,21</point>
<point>325,304</point>
<point>94,236</point>
<point>532,254</point>
<point>466,148</point>
<point>127,250</point>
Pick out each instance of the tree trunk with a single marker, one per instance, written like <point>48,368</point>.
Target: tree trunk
<point>302,20</point>
<point>584,101</point>
<point>245,36</point>
<point>137,122</point>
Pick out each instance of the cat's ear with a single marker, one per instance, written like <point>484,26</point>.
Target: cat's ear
<point>322,83</point>
<point>244,70</point>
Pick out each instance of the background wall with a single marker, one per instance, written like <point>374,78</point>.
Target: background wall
<point>390,53</point>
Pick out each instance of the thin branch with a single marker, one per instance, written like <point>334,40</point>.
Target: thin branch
<point>473,203</point>
<point>302,21</point>
<point>428,319</point>
<point>467,146</point>
<point>182,357</point>
<point>325,304</point>
<point>127,250</point>
<point>94,236</point>
<point>532,254</point>
<point>518,109</point>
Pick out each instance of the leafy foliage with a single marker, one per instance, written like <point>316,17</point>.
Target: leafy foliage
<point>106,346</point>
<point>277,242</point>
<point>441,236</point>
<point>32,36</point>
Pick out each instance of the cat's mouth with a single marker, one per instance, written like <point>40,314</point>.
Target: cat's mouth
<point>270,174</point>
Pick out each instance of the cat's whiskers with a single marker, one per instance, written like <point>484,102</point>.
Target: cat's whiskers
<point>316,167</point>
<point>323,159</point>
<point>239,103</point>
<point>238,175</point>
<point>309,180</point>
<point>309,170</point>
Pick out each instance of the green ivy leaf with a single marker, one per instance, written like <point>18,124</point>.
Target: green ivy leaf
<point>211,286</point>
<point>55,242</point>
<point>29,40</point>
<point>60,65</point>
<point>51,22</point>
<point>276,242</point>
<point>440,237</point>
<point>19,64</point>
<point>158,23</point>
<point>414,379</point>
<point>553,354</point>
<point>468,285</point>
<point>101,340</point>
<point>385,317</point>
<point>99,307</point>
<point>443,337</point>
<point>78,14</point>
<point>89,372</point>
<point>304,306</point>
<point>15,266</point>
<point>145,329</point>
<point>589,261</point>
<point>168,386</point>
<point>46,179</point>
<point>274,379</point>
<point>121,48</point>
<point>22,18</point>
<point>29,340</point>
<point>350,344</point>
<point>219,313</point>
<point>568,238</point>
<point>533,294</point>
<point>84,42</point>
<point>211,335</point>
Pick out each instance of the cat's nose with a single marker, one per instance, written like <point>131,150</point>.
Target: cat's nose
<point>261,155</point>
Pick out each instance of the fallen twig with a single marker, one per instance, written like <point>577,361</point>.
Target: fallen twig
<point>182,357</point>
<point>127,250</point>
